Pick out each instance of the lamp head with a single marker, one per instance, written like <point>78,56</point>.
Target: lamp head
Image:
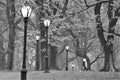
<point>84,60</point>
<point>73,65</point>
<point>37,37</point>
<point>67,47</point>
<point>46,22</point>
<point>26,10</point>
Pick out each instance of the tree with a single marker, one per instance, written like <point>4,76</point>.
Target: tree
<point>3,28</point>
<point>67,18</point>
<point>110,38</point>
<point>41,28</point>
<point>10,13</point>
<point>63,20</point>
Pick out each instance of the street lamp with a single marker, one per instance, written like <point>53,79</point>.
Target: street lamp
<point>25,12</point>
<point>46,24</point>
<point>37,53</point>
<point>84,64</point>
<point>73,66</point>
<point>67,47</point>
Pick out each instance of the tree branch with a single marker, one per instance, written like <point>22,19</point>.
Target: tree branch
<point>89,44</point>
<point>88,7</point>
<point>3,31</point>
<point>112,33</point>
<point>31,23</point>
<point>71,51</point>
<point>18,21</point>
<point>3,4</point>
<point>71,14</point>
<point>96,58</point>
<point>86,3</point>
<point>71,32</point>
<point>71,59</point>
<point>61,50</point>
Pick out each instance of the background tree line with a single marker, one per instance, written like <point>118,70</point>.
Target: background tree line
<point>89,27</point>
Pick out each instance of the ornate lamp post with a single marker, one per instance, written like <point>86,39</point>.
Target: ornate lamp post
<point>67,47</point>
<point>37,53</point>
<point>26,12</point>
<point>46,24</point>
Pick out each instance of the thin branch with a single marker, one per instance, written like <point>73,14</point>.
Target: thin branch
<point>71,14</point>
<point>112,33</point>
<point>96,58</point>
<point>19,28</point>
<point>86,3</point>
<point>89,44</point>
<point>3,31</point>
<point>71,59</point>
<point>31,23</point>
<point>18,21</point>
<point>88,7</point>
<point>71,32</point>
<point>3,3</point>
<point>71,51</point>
<point>116,34</point>
<point>61,50</point>
<point>98,3</point>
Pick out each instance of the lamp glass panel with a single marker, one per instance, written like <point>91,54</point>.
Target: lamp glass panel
<point>47,22</point>
<point>84,60</point>
<point>26,11</point>
<point>67,47</point>
<point>37,37</point>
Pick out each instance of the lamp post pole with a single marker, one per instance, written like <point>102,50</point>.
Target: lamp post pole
<point>26,12</point>
<point>24,70</point>
<point>37,54</point>
<point>46,53</point>
<point>46,23</point>
<point>67,47</point>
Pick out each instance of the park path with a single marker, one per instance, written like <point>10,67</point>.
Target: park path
<point>61,75</point>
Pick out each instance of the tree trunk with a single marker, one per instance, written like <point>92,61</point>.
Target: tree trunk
<point>110,37</point>
<point>101,36</point>
<point>41,28</point>
<point>88,63</point>
<point>80,56</point>
<point>1,54</point>
<point>107,45</point>
<point>106,66</point>
<point>37,57</point>
<point>80,63</point>
<point>53,53</point>
<point>10,12</point>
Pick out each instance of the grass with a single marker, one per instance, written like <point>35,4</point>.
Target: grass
<point>61,75</point>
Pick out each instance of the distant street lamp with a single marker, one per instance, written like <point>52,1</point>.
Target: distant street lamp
<point>84,64</point>
<point>46,24</point>
<point>73,66</point>
<point>25,12</point>
<point>37,53</point>
<point>67,47</point>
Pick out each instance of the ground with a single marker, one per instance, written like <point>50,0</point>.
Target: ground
<point>61,75</point>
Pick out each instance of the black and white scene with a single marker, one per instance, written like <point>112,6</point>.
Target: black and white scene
<point>59,39</point>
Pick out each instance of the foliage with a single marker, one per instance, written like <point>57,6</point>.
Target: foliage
<point>65,28</point>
